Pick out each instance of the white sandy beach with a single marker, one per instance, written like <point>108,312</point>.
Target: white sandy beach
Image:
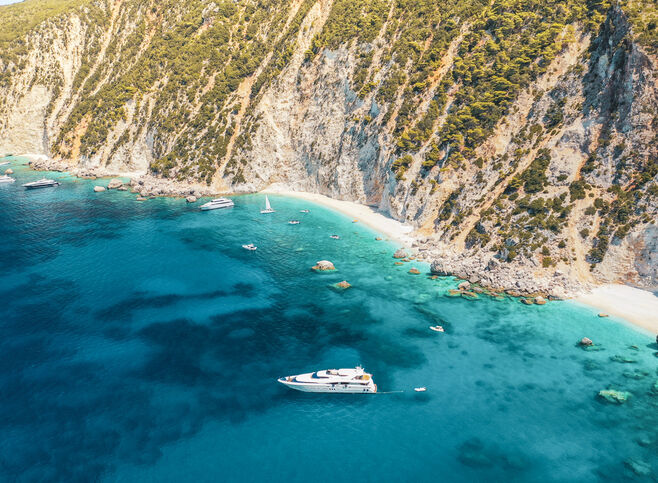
<point>639,307</point>
<point>388,227</point>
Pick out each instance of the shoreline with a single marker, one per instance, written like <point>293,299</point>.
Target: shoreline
<point>634,305</point>
<point>393,229</point>
<point>637,307</point>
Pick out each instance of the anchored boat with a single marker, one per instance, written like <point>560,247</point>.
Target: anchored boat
<point>42,183</point>
<point>332,380</point>
<point>217,203</point>
<point>6,179</point>
<point>268,207</point>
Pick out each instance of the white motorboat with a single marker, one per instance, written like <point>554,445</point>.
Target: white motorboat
<point>268,207</point>
<point>6,179</point>
<point>42,183</point>
<point>293,222</point>
<point>304,211</point>
<point>217,203</point>
<point>250,247</point>
<point>332,380</point>
<point>420,389</point>
<point>437,328</point>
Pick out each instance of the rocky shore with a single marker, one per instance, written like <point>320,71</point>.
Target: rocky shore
<point>519,278</point>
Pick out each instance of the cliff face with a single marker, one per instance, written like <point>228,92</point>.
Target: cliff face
<point>523,132</point>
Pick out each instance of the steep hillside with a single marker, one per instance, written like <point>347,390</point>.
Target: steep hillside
<point>518,136</point>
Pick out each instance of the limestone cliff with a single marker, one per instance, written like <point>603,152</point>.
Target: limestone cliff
<point>516,136</point>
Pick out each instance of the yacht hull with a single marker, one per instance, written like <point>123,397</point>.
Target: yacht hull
<point>343,388</point>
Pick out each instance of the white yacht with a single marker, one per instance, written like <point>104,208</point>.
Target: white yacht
<point>332,380</point>
<point>268,207</point>
<point>250,247</point>
<point>293,222</point>
<point>42,183</point>
<point>217,203</point>
<point>6,179</point>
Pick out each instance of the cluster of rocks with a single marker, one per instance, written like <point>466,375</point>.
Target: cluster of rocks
<point>516,279</point>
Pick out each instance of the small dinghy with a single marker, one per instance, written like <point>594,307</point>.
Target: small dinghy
<point>335,237</point>
<point>420,389</point>
<point>293,222</point>
<point>437,328</point>
<point>250,247</point>
<point>304,211</point>
<point>6,179</point>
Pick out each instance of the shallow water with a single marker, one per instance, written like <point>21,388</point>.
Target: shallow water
<point>140,342</point>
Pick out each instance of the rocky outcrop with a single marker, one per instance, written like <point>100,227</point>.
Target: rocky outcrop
<point>323,266</point>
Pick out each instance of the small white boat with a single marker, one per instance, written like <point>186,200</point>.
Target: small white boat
<point>250,246</point>
<point>335,237</point>
<point>332,380</point>
<point>42,183</point>
<point>268,207</point>
<point>437,328</point>
<point>293,222</point>
<point>5,163</point>
<point>6,179</point>
<point>217,203</point>
<point>420,389</point>
<point>304,211</point>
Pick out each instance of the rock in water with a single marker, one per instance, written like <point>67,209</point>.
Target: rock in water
<point>400,253</point>
<point>585,342</point>
<point>414,271</point>
<point>343,285</point>
<point>603,315</point>
<point>540,300</point>
<point>9,171</point>
<point>114,184</point>
<point>464,286</point>
<point>191,199</point>
<point>638,467</point>
<point>615,397</point>
<point>527,301</point>
<point>323,266</point>
<point>398,263</point>
<point>99,189</point>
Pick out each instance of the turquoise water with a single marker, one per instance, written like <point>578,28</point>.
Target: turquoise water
<point>140,342</point>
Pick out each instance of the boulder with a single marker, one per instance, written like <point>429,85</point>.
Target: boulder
<point>527,301</point>
<point>191,199</point>
<point>114,184</point>
<point>468,295</point>
<point>540,300</point>
<point>400,253</point>
<point>343,285</point>
<point>99,189</point>
<point>9,171</point>
<point>585,342</point>
<point>141,198</point>
<point>414,271</point>
<point>464,286</point>
<point>477,289</point>
<point>398,263</point>
<point>323,266</point>
<point>615,397</point>
<point>122,188</point>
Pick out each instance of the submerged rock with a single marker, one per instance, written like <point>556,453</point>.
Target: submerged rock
<point>99,189</point>
<point>400,253</point>
<point>344,284</point>
<point>615,397</point>
<point>654,389</point>
<point>398,263</point>
<point>638,467</point>
<point>622,359</point>
<point>414,271</point>
<point>464,286</point>
<point>527,301</point>
<point>122,188</point>
<point>323,266</point>
<point>9,171</point>
<point>636,374</point>
<point>469,295</point>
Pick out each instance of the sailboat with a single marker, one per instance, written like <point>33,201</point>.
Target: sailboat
<point>268,207</point>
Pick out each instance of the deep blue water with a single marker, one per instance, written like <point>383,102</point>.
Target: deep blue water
<point>140,342</point>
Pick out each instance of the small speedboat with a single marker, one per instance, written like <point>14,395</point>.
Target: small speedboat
<point>304,211</point>
<point>6,179</point>
<point>5,163</point>
<point>420,389</point>
<point>217,203</point>
<point>332,380</point>
<point>42,183</point>
<point>437,328</point>
<point>335,237</point>
<point>250,246</point>
<point>268,207</point>
<point>293,222</point>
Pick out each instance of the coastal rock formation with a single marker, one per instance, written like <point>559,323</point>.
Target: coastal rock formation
<point>323,266</point>
<point>524,155</point>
